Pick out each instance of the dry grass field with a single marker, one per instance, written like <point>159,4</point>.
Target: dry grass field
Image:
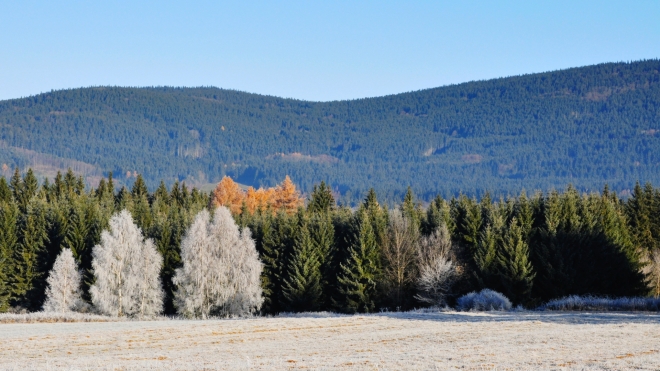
<point>387,341</point>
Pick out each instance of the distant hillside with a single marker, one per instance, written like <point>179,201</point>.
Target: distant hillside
<point>586,126</point>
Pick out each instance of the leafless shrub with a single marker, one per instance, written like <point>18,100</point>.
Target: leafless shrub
<point>484,300</point>
<point>593,303</point>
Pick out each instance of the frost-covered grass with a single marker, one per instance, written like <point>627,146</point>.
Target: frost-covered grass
<point>592,303</point>
<point>417,340</point>
<point>49,317</point>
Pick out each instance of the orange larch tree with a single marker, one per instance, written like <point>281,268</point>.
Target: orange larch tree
<point>259,199</point>
<point>286,197</point>
<point>229,194</point>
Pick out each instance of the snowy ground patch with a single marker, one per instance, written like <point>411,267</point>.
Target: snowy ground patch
<point>419,340</point>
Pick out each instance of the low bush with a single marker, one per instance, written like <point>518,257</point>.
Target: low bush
<point>593,303</point>
<point>484,300</point>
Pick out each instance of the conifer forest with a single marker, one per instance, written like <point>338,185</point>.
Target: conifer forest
<point>271,250</point>
<point>585,126</point>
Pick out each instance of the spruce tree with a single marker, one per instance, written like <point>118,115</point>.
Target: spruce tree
<point>639,212</point>
<point>123,200</point>
<point>277,243</point>
<point>437,214</point>
<point>485,258</point>
<point>16,185</point>
<point>321,200</point>
<point>141,209</point>
<point>469,223</point>
<point>410,210</point>
<point>30,268</point>
<point>359,274</point>
<point>59,189</point>
<point>322,233</point>
<point>30,187</point>
<point>8,246</point>
<point>70,181</point>
<point>5,191</point>
<point>301,288</point>
<point>513,264</point>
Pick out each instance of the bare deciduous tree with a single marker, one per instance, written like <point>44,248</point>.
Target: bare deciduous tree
<point>221,268</point>
<point>63,291</point>
<point>436,269</point>
<point>400,257</point>
<point>126,268</point>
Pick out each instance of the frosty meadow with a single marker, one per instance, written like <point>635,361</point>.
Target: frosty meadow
<point>321,341</point>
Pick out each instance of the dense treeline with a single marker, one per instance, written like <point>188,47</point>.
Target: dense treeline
<point>587,126</point>
<point>322,256</point>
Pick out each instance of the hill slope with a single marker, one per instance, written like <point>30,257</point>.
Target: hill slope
<point>585,126</point>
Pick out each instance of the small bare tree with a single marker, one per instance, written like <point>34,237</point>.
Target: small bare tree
<point>126,268</point>
<point>221,268</point>
<point>400,257</point>
<point>436,269</point>
<point>63,291</point>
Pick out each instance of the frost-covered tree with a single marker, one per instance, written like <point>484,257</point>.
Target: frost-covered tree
<point>126,268</point>
<point>145,280</point>
<point>399,257</point>
<point>436,270</point>
<point>63,291</point>
<point>221,268</point>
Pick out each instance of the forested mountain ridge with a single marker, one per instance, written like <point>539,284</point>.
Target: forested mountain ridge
<point>586,126</point>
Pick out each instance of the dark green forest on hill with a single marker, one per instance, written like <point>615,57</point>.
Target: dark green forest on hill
<point>585,126</point>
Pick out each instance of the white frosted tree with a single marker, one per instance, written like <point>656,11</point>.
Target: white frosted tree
<point>221,268</point>
<point>246,276</point>
<point>145,280</point>
<point>126,268</point>
<point>63,291</point>
<point>436,270</point>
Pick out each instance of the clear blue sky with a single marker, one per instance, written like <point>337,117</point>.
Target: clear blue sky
<point>311,49</point>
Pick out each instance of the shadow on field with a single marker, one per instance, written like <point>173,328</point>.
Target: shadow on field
<point>588,318</point>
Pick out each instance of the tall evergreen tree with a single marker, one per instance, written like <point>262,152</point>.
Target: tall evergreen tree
<point>321,199</point>
<point>276,250</point>
<point>141,209</point>
<point>302,288</point>
<point>5,191</point>
<point>16,185</point>
<point>9,244</point>
<point>360,273</point>
<point>30,268</point>
<point>322,233</point>
<point>513,264</point>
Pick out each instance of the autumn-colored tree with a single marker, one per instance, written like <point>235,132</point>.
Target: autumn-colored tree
<point>228,194</point>
<point>258,199</point>
<point>286,197</point>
